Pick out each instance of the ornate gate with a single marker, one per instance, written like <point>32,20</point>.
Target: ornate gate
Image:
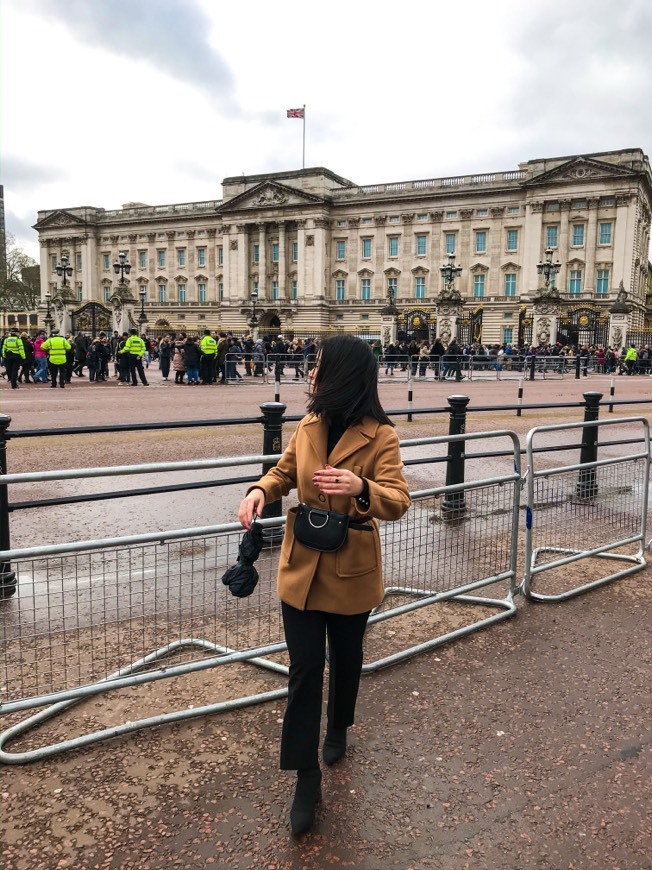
<point>91,318</point>
<point>417,324</point>
<point>469,327</point>
<point>584,325</point>
<point>524,338</point>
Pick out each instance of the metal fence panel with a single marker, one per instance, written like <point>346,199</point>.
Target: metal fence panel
<point>584,519</point>
<point>93,616</point>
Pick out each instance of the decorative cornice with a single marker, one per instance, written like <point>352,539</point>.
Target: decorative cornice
<point>190,234</point>
<point>407,218</point>
<point>151,237</point>
<point>354,223</point>
<point>171,234</point>
<point>380,220</point>
<point>114,239</point>
<point>497,211</point>
<point>133,237</point>
<point>211,232</point>
<point>437,215</point>
<point>466,213</point>
<point>536,206</point>
<point>321,223</point>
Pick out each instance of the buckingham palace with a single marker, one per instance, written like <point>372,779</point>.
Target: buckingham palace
<point>555,248</point>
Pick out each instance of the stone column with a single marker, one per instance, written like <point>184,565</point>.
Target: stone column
<point>590,245</point>
<point>319,257</point>
<point>262,261</point>
<point>282,261</point>
<point>379,254</point>
<point>564,244</point>
<point>532,249</point>
<point>211,264</point>
<point>239,248</point>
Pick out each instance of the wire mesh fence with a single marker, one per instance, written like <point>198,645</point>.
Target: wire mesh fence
<point>582,520</point>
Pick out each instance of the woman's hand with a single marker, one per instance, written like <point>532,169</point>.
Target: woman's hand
<point>337,481</point>
<point>251,504</point>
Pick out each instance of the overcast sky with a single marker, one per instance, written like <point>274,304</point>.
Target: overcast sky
<point>156,101</point>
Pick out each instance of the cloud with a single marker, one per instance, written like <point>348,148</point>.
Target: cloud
<point>586,76</point>
<point>19,174</point>
<point>171,35</point>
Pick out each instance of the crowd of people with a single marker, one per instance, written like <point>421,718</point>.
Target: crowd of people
<point>216,357</point>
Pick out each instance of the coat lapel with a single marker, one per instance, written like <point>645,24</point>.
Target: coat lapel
<point>355,438</point>
<point>317,436</point>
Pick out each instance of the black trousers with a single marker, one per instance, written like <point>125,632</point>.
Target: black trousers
<point>136,365</point>
<point>208,368</point>
<point>12,365</point>
<point>305,632</point>
<point>57,368</point>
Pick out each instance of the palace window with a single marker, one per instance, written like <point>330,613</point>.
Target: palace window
<point>275,290</point>
<point>366,288</point>
<point>605,234</point>
<point>512,240</point>
<point>220,255</point>
<point>201,256</point>
<point>142,259</point>
<point>422,246</point>
<point>366,249</point>
<point>182,292</point>
<point>514,209</point>
<point>106,259</point>
<point>552,236</point>
<point>339,289</point>
<point>392,249</point>
<point>220,291</point>
<point>161,259</point>
<point>392,284</point>
<point>53,262</point>
<point>510,284</point>
<point>508,334</point>
<point>201,292</point>
<point>478,285</point>
<point>162,293</point>
<point>295,290</point>
<point>480,242</point>
<point>394,219</point>
<point>422,217</point>
<point>181,256</point>
<point>78,262</point>
<point>602,285</point>
<point>340,249</point>
<point>256,254</point>
<point>578,235</point>
<point>482,212</point>
<point>107,294</point>
<point>420,288</point>
<point>295,252</point>
<point>366,221</point>
<point>575,282</point>
<point>450,242</point>
<point>274,252</point>
<point>451,214</point>
<point>79,292</point>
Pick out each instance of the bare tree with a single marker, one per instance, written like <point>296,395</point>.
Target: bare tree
<point>21,291</point>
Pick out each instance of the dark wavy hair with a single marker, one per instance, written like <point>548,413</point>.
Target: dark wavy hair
<point>345,384</point>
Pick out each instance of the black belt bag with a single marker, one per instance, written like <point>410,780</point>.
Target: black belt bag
<point>323,530</point>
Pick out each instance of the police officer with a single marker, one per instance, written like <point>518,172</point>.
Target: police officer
<point>57,347</point>
<point>135,350</point>
<point>13,353</point>
<point>208,361</point>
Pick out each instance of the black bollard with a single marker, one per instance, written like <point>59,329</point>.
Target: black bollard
<point>7,576</point>
<point>454,506</point>
<point>612,392</point>
<point>531,364</point>
<point>272,443</point>
<point>578,362</point>
<point>587,484</point>
<point>520,396</point>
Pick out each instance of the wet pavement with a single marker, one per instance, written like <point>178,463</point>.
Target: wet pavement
<point>527,745</point>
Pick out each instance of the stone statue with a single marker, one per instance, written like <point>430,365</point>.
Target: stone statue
<point>617,337</point>
<point>622,293</point>
<point>543,330</point>
<point>445,331</point>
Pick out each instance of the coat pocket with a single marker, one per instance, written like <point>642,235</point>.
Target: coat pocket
<point>288,538</point>
<point>359,555</point>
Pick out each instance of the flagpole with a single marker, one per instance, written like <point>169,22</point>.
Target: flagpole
<point>304,136</point>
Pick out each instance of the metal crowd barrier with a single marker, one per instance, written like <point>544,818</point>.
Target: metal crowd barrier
<point>516,367</point>
<point>592,510</point>
<point>93,616</point>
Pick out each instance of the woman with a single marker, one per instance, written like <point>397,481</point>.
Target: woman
<point>165,356</point>
<point>28,363</point>
<point>343,457</point>
<point>178,359</point>
<point>191,358</point>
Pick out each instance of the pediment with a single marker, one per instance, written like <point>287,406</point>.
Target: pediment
<point>59,218</point>
<point>420,271</point>
<point>510,267</point>
<point>392,272</point>
<point>581,169</point>
<point>478,267</point>
<point>365,273</point>
<point>340,273</point>
<point>270,194</point>
<point>575,262</point>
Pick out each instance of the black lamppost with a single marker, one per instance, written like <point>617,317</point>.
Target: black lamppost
<point>253,322</point>
<point>122,267</point>
<point>142,317</point>
<point>450,272</point>
<point>548,269</point>
<point>48,316</point>
<point>64,269</point>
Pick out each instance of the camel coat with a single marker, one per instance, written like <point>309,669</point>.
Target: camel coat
<point>350,580</point>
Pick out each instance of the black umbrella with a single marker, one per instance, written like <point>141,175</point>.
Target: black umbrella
<point>242,577</point>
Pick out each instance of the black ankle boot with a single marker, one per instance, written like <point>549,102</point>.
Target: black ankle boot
<point>306,798</point>
<point>334,745</point>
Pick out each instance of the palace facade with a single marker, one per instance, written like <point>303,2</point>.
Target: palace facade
<point>314,253</point>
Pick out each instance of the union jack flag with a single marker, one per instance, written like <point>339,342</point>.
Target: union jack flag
<point>296,113</point>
